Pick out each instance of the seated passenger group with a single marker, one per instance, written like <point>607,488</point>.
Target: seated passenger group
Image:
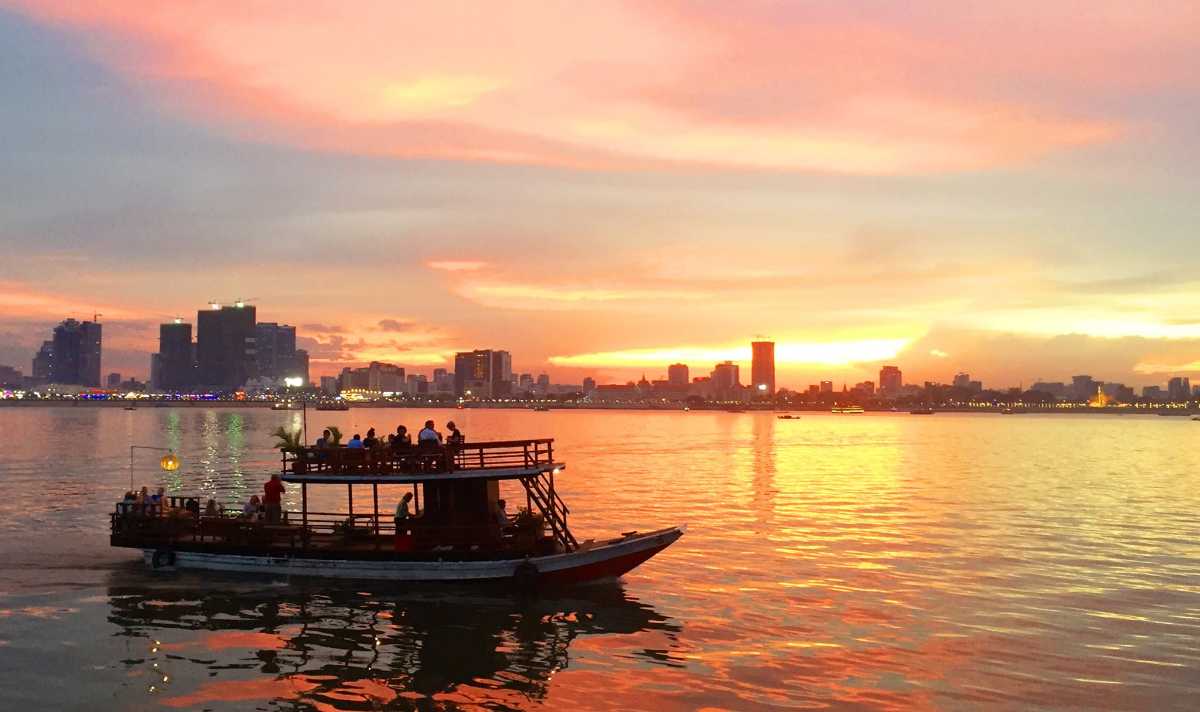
<point>427,437</point>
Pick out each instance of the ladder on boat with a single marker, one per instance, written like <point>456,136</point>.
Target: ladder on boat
<point>540,490</point>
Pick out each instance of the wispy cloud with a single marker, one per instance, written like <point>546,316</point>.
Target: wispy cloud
<point>690,84</point>
<point>457,265</point>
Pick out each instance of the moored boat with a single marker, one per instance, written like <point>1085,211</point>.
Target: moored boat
<point>461,534</point>
<point>847,410</point>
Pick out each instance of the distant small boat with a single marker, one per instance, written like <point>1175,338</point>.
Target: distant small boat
<point>848,410</point>
<point>131,407</point>
<point>789,416</point>
<point>921,411</point>
<point>541,408</point>
<point>339,405</point>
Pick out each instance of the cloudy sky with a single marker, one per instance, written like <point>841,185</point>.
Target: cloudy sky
<point>602,188</point>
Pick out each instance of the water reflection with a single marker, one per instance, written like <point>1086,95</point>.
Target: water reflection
<point>198,642</point>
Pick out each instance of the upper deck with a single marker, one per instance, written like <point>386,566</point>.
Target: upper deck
<point>383,464</point>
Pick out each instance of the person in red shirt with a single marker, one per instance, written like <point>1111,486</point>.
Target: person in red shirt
<point>272,498</point>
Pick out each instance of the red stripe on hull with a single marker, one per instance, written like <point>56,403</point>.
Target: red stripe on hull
<point>610,568</point>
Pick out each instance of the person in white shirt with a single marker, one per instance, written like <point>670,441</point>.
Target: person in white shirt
<point>428,435</point>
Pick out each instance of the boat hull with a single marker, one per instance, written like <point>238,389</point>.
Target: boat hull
<point>604,560</point>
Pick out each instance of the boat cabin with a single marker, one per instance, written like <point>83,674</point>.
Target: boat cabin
<point>455,488</point>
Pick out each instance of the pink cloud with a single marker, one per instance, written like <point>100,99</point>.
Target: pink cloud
<point>930,87</point>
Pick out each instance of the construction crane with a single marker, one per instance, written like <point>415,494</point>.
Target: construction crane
<point>239,302</point>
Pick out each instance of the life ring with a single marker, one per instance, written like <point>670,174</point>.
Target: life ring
<point>525,576</point>
<point>163,558</point>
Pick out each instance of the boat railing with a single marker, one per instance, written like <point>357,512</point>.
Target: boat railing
<point>166,526</point>
<point>384,459</point>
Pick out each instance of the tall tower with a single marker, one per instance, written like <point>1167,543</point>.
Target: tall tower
<point>225,345</point>
<point>762,368</point>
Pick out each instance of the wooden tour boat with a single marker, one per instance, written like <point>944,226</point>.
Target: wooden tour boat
<point>456,534</point>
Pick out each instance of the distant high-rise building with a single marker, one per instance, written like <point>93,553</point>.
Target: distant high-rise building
<point>76,353</point>
<point>762,367</point>
<point>416,384</point>
<point>43,362</point>
<point>677,374</point>
<point>299,367</point>
<point>1057,389</point>
<point>589,384</point>
<point>525,382</point>
<point>10,376</point>
<point>225,345</point>
<point>543,381</point>
<point>1083,388</point>
<point>1179,388</point>
<point>329,385</point>
<point>725,377</point>
<point>113,380</point>
<point>385,377</point>
<point>1153,393</point>
<point>275,351</point>
<point>890,380</point>
<point>962,380</point>
<point>473,372</point>
<point>827,386</point>
<point>176,357</point>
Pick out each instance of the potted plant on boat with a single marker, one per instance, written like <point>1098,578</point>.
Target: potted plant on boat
<point>527,528</point>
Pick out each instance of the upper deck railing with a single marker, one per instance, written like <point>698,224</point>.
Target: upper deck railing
<point>384,459</point>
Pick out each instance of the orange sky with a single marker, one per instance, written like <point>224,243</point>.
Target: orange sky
<point>603,188</point>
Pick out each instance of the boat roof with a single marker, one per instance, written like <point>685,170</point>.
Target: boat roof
<point>396,478</point>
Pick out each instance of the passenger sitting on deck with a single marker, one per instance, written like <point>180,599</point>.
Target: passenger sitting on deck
<point>402,513</point>
<point>428,435</point>
<point>252,508</point>
<point>401,439</point>
<point>323,441</point>
<point>455,437</point>
<point>355,443</point>
<point>272,498</point>
<point>501,515</point>
<point>370,441</point>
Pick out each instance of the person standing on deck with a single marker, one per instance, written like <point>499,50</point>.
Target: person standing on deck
<point>403,514</point>
<point>273,498</point>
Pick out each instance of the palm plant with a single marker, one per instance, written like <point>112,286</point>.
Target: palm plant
<point>335,435</point>
<point>288,441</point>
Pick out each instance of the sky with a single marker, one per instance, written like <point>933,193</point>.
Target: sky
<point>1007,189</point>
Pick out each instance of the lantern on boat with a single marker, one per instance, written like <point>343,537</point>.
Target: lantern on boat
<point>169,463</point>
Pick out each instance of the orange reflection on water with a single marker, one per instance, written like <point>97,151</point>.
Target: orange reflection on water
<point>278,688</point>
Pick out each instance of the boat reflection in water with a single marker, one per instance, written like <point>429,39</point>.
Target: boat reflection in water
<point>202,643</point>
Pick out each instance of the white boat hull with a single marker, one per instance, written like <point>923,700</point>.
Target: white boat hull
<point>591,562</point>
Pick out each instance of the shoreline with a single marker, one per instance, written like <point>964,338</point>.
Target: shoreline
<point>266,405</point>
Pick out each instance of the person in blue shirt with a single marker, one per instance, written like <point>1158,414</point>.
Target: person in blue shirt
<point>355,442</point>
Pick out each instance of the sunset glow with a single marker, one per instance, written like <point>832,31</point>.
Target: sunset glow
<point>603,189</point>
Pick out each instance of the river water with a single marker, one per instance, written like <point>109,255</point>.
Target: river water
<point>878,561</point>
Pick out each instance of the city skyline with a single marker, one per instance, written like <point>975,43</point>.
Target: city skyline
<point>243,353</point>
<point>1004,190</point>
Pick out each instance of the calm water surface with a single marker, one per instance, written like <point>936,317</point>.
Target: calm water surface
<point>860,562</point>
